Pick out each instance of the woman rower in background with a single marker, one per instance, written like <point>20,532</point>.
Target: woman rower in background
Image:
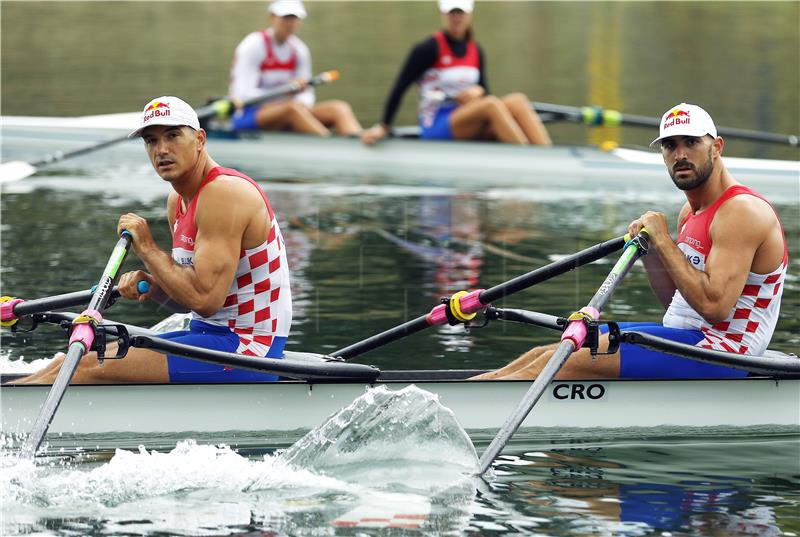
<point>275,56</point>
<point>453,96</point>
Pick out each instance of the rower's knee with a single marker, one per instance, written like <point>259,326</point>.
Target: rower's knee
<point>341,108</point>
<point>516,102</point>
<point>296,109</point>
<point>493,104</point>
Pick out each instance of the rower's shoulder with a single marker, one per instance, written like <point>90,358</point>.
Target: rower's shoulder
<point>745,214</point>
<point>232,187</point>
<point>253,40</point>
<point>748,202</point>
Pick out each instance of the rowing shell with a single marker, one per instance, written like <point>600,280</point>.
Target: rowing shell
<point>139,410</point>
<point>459,164</point>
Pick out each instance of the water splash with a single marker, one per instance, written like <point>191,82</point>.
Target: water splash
<point>402,440</point>
<point>389,460</point>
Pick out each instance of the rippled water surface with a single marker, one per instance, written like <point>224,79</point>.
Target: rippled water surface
<point>367,254</point>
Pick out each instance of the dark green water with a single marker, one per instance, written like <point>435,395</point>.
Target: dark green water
<point>363,261</point>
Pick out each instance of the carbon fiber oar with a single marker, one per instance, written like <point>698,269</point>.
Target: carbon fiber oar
<point>572,339</point>
<point>80,341</point>
<point>16,170</point>
<point>474,301</point>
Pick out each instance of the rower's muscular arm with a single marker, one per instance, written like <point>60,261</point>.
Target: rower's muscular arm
<point>740,227</point>
<point>226,212</point>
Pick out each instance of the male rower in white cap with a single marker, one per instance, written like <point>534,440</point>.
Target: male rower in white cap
<point>275,56</point>
<point>227,265</point>
<point>721,282</point>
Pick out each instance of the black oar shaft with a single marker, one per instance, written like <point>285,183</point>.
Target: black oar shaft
<point>378,340</point>
<point>67,300</point>
<point>79,345</point>
<point>593,253</point>
<point>588,255</point>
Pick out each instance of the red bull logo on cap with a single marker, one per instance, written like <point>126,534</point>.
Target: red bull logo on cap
<point>156,109</point>
<point>157,104</point>
<point>677,117</point>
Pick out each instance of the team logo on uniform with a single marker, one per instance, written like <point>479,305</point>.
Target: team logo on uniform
<point>446,59</point>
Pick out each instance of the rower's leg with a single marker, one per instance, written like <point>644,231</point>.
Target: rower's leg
<point>524,361</point>
<point>578,366</point>
<point>339,115</point>
<point>289,115</point>
<point>470,121</point>
<point>139,365</point>
<point>44,372</point>
<point>527,118</point>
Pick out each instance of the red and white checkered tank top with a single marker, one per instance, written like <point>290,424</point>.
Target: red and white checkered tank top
<point>259,302</point>
<point>749,327</point>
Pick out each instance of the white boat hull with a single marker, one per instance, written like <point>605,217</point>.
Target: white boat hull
<point>461,165</point>
<point>291,406</point>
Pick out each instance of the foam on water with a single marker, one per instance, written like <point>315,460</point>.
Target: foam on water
<point>390,459</point>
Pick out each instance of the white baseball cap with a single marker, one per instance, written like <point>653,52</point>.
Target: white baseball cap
<point>284,8</point>
<point>685,120</point>
<point>167,110</point>
<point>446,6</point>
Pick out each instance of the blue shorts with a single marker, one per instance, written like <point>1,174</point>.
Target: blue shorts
<point>638,362</point>
<point>440,128</point>
<point>245,118</point>
<point>209,336</point>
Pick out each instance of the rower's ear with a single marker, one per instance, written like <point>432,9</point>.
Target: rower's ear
<point>200,136</point>
<point>719,143</point>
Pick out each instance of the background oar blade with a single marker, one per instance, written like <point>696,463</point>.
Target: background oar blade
<point>14,171</point>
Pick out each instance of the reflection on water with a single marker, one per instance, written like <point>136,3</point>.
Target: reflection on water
<point>368,261</point>
<point>641,486</point>
<point>712,483</point>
